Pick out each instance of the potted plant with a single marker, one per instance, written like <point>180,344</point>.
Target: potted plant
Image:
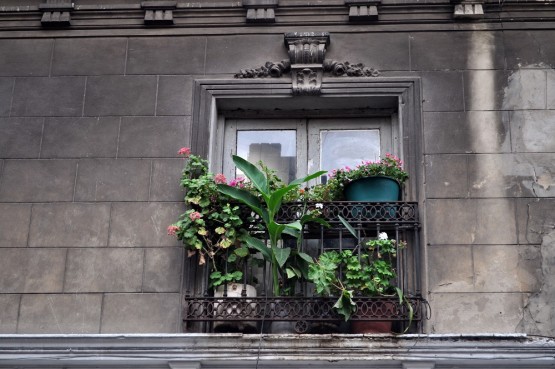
<point>369,181</point>
<point>211,228</point>
<point>266,201</point>
<point>368,271</point>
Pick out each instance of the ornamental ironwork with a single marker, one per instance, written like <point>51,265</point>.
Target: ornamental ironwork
<point>304,311</point>
<point>205,313</point>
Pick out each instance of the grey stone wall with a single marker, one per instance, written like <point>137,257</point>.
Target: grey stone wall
<point>89,182</point>
<point>89,129</point>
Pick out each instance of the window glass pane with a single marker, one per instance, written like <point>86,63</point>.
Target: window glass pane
<point>276,148</point>
<point>340,148</point>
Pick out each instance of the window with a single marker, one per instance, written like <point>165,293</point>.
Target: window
<point>296,147</point>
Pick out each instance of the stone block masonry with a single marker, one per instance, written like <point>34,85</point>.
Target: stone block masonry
<point>91,121</point>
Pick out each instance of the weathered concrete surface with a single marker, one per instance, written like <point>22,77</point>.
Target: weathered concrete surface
<point>476,312</point>
<point>90,127</point>
<point>299,351</point>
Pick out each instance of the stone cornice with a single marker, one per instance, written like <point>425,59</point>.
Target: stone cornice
<point>237,350</point>
<point>222,15</point>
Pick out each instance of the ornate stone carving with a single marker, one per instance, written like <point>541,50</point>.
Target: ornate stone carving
<point>339,69</point>
<point>363,10</point>
<point>159,12</point>
<point>269,69</point>
<point>56,13</point>
<point>260,11</point>
<point>307,65</point>
<point>307,82</point>
<point>307,51</point>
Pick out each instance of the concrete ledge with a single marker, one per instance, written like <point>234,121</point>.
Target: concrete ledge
<point>270,351</point>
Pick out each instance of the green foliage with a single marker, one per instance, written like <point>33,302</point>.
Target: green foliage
<point>218,278</point>
<point>266,201</point>
<point>390,166</point>
<point>211,227</point>
<point>345,274</point>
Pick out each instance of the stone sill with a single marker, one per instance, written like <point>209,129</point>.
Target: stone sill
<point>265,351</point>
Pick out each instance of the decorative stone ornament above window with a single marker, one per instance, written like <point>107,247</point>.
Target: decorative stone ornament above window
<point>468,10</point>
<point>306,53</point>
<point>260,11</point>
<point>56,13</point>
<point>307,64</point>
<point>363,10</point>
<point>159,13</point>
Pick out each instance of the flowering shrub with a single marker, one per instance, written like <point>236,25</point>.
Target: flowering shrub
<point>390,166</point>
<point>211,227</point>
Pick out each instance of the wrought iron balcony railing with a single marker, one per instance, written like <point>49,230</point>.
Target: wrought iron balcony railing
<point>205,313</point>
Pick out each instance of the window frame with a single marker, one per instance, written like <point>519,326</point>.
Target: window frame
<point>308,137</point>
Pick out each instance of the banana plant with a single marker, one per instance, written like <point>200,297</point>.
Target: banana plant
<point>267,209</point>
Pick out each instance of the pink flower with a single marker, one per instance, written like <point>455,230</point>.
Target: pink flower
<point>185,151</point>
<point>237,182</point>
<point>220,178</point>
<point>195,215</point>
<point>172,229</point>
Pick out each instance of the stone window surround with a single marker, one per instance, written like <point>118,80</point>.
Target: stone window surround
<point>212,98</point>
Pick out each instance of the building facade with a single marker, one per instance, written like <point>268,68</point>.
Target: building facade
<point>97,97</point>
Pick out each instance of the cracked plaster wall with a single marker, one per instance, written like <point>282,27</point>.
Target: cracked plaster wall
<point>490,189</point>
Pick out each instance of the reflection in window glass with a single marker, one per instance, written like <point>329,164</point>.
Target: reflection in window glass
<point>340,148</point>
<point>277,149</point>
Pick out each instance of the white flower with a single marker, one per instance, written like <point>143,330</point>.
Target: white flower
<point>382,236</point>
<point>319,206</point>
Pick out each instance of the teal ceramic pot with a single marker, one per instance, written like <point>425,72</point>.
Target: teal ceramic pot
<point>373,189</point>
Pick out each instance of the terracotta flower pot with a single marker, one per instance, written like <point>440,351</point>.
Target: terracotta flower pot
<point>371,326</point>
<point>385,309</point>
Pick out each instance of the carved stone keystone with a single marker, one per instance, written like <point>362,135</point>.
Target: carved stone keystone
<point>158,12</point>
<point>56,13</point>
<point>307,51</point>
<point>260,11</point>
<point>363,10</point>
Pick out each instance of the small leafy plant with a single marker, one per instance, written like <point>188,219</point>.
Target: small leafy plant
<point>346,274</point>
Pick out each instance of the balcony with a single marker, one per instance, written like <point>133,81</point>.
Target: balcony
<point>308,312</point>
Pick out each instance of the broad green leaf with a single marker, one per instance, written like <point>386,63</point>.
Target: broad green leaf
<point>245,197</point>
<point>348,226</point>
<point>311,218</point>
<point>275,230</point>
<point>402,299</point>
<point>305,257</point>
<point>277,196</point>
<point>292,232</point>
<point>256,176</point>
<point>292,272</point>
<point>260,246</point>
<point>308,178</point>
<point>281,255</point>
<point>295,225</point>
<point>241,195</point>
<point>345,304</point>
<point>242,252</point>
